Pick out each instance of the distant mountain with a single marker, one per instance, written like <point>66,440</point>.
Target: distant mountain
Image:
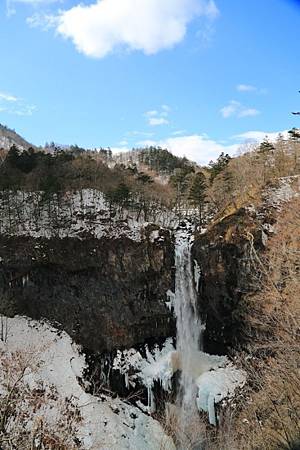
<point>9,137</point>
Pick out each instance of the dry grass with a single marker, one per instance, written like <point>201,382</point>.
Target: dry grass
<point>33,417</point>
<point>268,414</point>
<point>248,174</point>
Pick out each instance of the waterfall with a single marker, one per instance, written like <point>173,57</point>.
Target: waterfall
<point>189,327</point>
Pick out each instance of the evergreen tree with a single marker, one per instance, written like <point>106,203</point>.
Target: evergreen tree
<point>218,166</point>
<point>13,156</point>
<point>294,134</point>
<point>197,193</point>
<point>266,147</point>
<point>119,195</point>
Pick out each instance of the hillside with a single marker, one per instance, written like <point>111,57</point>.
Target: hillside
<point>9,137</point>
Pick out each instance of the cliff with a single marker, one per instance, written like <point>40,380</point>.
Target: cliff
<point>229,254</point>
<point>101,274</point>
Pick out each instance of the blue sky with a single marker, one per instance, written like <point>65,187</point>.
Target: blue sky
<point>197,76</point>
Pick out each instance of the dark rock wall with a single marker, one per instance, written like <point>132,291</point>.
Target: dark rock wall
<point>226,278</point>
<point>106,293</point>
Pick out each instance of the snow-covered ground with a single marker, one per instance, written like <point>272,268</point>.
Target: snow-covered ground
<point>105,423</point>
<point>287,189</point>
<point>74,214</point>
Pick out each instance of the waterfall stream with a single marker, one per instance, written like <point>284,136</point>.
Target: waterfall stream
<point>204,379</point>
<point>189,327</point>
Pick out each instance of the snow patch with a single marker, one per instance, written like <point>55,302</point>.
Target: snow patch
<point>74,214</point>
<point>284,192</point>
<point>106,423</point>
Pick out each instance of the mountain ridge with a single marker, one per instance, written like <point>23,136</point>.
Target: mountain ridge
<point>9,137</point>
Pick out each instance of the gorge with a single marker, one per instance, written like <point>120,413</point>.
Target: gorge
<point>136,321</point>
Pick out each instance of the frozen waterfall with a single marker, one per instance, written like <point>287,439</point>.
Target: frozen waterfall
<point>189,327</point>
<point>204,379</point>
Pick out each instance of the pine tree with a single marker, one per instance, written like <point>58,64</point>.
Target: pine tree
<point>294,134</point>
<point>266,147</point>
<point>197,193</point>
<point>218,166</point>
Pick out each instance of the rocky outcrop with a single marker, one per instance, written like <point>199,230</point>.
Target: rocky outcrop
<point>223,256</point>
<point>107,292</point>
<point>227,253</point>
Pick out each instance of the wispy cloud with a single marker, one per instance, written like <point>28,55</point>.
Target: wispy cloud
<point>250,88</point>
<point>43,21</point>
<point>236,109</point>
<point>246,88</point>
<point>136,133</point>
<point>259,136</point>
<point>178,132</point>
<point>11,5</point>
<point>7,97</point>
<point>10,104</point>
<point>154,121</point>
<point>248,112</point>
<point>159,116</point>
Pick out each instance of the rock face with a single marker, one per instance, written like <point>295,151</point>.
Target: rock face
<point>227,254</point>
<point>226,277</point>
<point>106,293</point>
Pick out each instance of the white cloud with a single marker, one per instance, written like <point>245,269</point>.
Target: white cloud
<point>151,113</point>
<point>248,112</point>
<point>201,148</point>
<point>7,97</point>
<point>120,149</point>
<point>11,104</point>
<point>230,109</point>
<point>178,132</point>
<point>11,4</point>
<point>24,110</point>
<point>42,21</point>
<point>246,88</point>
<point>236,109</point>
<point>259,136</point>
<point>138,133</point>
<point>166,108</point>
<point>158,117</point>
<point>144,25</point>
<point>196,147</point>
<point>154,121</point>
<point>251,88</point>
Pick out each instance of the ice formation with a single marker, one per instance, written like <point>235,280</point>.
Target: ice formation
<point>205,379</point>
<point>106,423</point>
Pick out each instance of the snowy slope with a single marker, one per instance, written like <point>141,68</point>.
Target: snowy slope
<point>73,214</point>
<point>9,137</point>
<point>106,423</point>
